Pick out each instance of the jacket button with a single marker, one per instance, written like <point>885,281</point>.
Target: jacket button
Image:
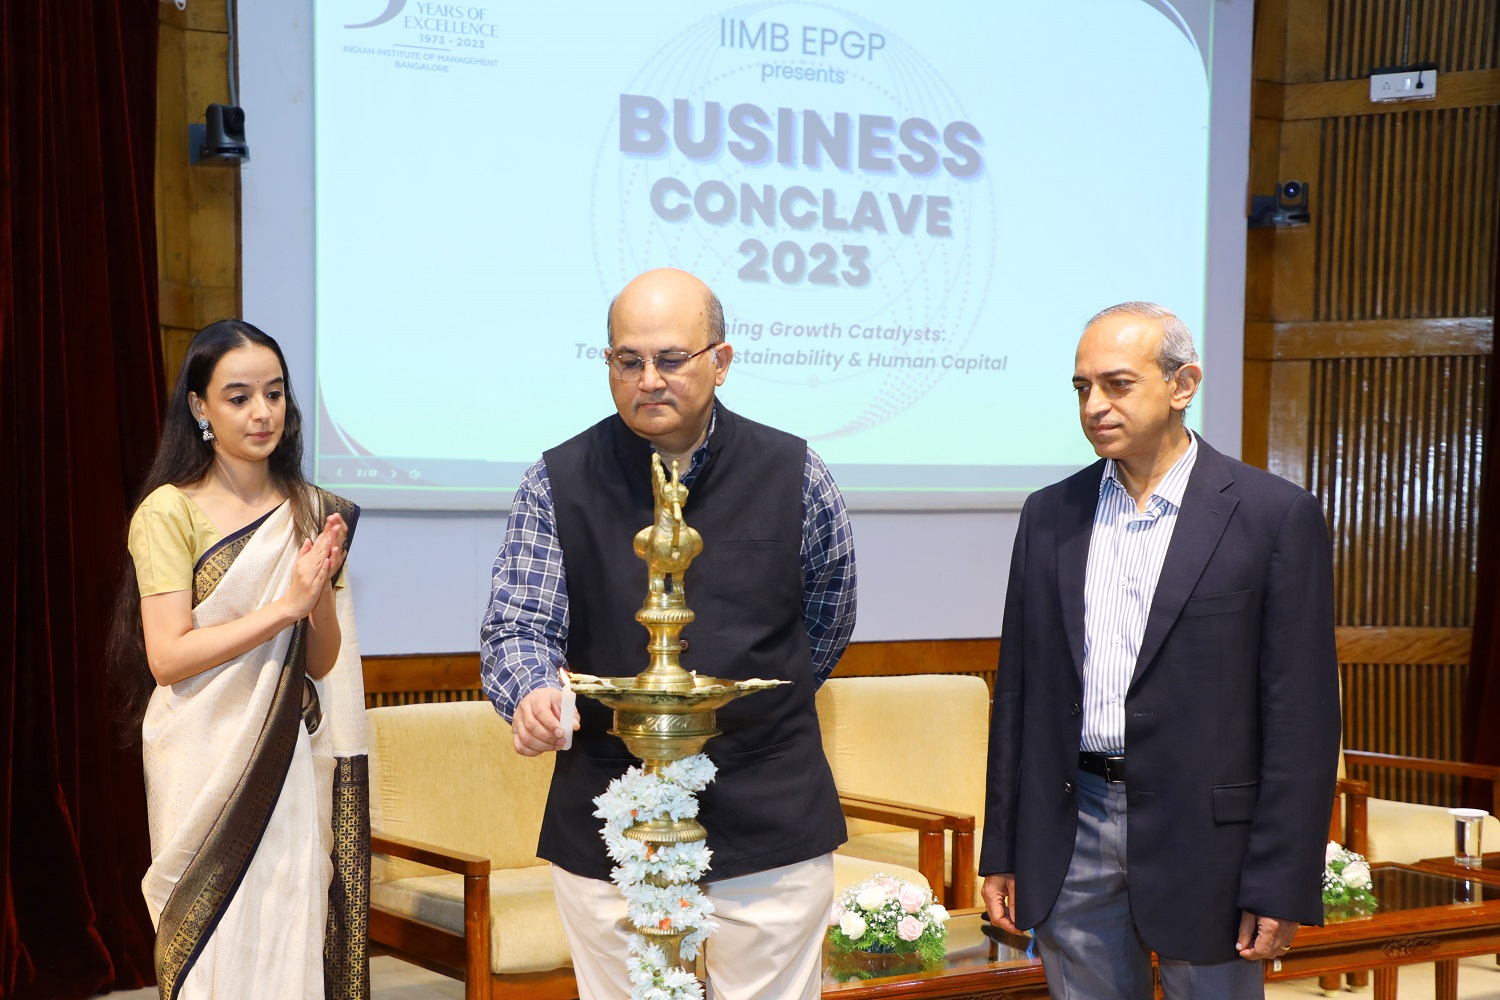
<point>1068,787</point>
<point>1074,708</point>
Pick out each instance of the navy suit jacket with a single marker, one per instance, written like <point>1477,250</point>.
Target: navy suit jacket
<point>1231,717</point>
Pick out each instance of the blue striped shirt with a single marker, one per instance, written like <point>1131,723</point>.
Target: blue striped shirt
<point>524,637</point>
<point>1126,552</point>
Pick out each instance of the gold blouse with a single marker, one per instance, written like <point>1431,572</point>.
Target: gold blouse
<point>168,535</point>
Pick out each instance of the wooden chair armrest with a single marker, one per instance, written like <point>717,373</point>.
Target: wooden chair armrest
<point>429,854</point>
<point>913,817</point>
<point>1481,772</point>
<point>930,825</point>
<point>964,891</point>
<point>1356,824</point>
<point>475,943</point>
<point>1487,772</point>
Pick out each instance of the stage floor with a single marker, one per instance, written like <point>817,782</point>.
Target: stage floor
<point>391,979</point>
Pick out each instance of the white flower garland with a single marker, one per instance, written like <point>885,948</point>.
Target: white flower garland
<point>638,797</point>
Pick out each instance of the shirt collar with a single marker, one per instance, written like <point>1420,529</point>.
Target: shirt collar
<point>700,454</point>
<point>1172,486</point>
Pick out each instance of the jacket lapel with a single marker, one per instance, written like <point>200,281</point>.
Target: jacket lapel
<point>1205,513</point>
<point>1075,528</point>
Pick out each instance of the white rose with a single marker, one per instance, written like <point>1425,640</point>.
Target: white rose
<point>1357,875</point>
<point>937,914</point>
<point>853,926</point>
<point>872,898</point>
<point>1334,850</point>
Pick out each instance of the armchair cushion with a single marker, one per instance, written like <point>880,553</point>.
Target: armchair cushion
<point>897,848</point>
<point>848,871</point>
<point>521,904</point>
<point>1409,831</point>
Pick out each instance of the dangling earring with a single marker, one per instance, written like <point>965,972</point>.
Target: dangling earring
<point>208,435</point>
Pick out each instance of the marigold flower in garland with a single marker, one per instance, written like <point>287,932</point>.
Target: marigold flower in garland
<point>677,905</point>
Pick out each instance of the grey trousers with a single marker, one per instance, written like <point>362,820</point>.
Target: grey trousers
<point>1088,943</point>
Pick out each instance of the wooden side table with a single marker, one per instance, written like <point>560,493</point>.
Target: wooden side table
<point>1423,916</point>
<point>1487,871</point>
<point>975,965</point>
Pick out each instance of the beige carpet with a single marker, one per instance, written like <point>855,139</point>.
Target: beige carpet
<point>1478,979</point>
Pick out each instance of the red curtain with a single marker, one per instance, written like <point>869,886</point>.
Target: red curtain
<point>80,400</point>
<point>1482,718</point>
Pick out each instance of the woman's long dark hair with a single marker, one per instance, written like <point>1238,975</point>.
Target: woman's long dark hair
<point>183,458</point>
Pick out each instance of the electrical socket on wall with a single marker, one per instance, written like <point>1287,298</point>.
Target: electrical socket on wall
<point>1403,85</point>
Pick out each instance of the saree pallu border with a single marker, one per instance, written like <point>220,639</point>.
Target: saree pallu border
<point>332,503</point>
<point>209,882</point>
<point>346,940</point>
<point>214,563</point>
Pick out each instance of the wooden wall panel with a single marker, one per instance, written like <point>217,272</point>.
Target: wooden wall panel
<point>1405,709</point>
<point>1288,421</point>
<point>1291,102</point>
<point>1294,251</point>
<point>1291,40</point>
<point>1367,34</point>
<point>197,207</point>
<point>1395,457</point>
<point>1367,338</point>
<point>1369,335</point>
<point>1406,645</point>
<point>407,696</point>
<point>1406,205</point>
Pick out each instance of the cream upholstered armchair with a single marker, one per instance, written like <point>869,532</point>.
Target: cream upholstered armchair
<point>456,885</point>
<point>908,756</point>
<point>1392,830</point>
<point>1402,832</point>
<point>479,907</point>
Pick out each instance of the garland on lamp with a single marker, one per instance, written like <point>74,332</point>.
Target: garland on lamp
<point>638,797</point>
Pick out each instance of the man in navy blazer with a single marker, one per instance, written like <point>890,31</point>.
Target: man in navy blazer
<point>1165,730</point>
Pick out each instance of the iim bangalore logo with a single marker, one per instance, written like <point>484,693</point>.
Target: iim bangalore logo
<point>393,8</point>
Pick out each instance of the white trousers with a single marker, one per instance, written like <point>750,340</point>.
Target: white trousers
<point>769,944</point>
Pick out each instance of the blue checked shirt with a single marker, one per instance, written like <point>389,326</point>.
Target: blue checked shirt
<point>524,637</point>
<point>1126,552</point>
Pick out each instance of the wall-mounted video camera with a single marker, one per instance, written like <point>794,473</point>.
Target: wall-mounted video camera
<point>219,140</point>
<point>1286,208</point>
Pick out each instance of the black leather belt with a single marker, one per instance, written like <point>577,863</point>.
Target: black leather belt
<point>1110,767</point>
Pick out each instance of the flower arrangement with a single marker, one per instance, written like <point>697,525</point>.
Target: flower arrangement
<point>1347,884</point>
<point>888,914</point>
<point>659,883</point>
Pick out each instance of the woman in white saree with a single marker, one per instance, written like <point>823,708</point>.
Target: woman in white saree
<point>242,652</point>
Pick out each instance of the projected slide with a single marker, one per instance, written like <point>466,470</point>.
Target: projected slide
<point>907,210</point>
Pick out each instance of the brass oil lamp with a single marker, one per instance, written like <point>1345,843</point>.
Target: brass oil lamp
<point>666,713</point>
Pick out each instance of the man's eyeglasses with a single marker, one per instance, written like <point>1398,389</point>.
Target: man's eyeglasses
<point>630,367</point>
